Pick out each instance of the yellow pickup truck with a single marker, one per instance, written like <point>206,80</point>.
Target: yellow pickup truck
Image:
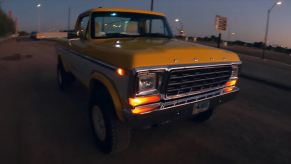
<point>138,75</point>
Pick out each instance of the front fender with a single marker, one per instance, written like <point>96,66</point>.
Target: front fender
<point>113,93</point>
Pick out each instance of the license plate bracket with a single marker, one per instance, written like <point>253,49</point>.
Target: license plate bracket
<point>200,107</point>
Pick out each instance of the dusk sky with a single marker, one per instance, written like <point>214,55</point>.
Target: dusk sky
<point>247,18</point>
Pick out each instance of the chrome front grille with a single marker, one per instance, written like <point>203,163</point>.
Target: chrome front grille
<point>185,82</point>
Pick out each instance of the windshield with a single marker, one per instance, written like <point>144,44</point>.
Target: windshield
<point>119,24</point>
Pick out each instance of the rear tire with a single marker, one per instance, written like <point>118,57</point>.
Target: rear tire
<point>112,135</point>
<point>64,78</point>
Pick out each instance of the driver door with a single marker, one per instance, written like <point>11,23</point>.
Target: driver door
<point>80,46</point>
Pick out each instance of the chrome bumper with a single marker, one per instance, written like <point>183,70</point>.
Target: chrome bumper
<point>178,109</point>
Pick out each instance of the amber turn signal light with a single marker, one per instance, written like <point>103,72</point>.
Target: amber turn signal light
<point>144,100</point>
<point>120,72</point>
<point>231,83</point>
<point>143,109</point>
<point>228,89</point>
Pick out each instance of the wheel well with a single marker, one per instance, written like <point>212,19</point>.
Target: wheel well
<point>61,64</point>
<point>59,61</point>
<point>99,94</point>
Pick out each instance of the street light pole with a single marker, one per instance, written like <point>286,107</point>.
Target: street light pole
<point>181,29</point>
<point>266,34</point>
<point>267,27</point>
<point>38,13</point>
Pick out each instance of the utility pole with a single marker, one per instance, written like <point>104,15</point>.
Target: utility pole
<point>1,1</point>
<point>69,18</point>
<point>16,25</point>
<point>152,8</point>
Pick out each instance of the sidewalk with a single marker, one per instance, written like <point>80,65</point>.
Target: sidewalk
<point>269,71</point>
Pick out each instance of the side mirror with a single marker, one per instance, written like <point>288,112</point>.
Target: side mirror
<point>73,34</point>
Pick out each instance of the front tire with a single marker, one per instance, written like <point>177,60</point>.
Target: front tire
<point>112,135</point>
<point>203,116</point>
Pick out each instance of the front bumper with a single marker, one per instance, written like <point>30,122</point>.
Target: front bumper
<point>176,112</point>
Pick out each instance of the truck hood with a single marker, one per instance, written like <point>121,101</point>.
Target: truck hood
<point>130,53</point>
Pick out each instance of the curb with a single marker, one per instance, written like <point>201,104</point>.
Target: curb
<point>268,72</point>
<point>268,82</point>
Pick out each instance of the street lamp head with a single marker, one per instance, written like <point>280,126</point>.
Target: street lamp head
<point>177,20</point>
<point>38,5</point>
<point>279,3</point>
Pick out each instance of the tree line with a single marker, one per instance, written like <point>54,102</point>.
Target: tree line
<point>7,25</point>
<point>259,45</point>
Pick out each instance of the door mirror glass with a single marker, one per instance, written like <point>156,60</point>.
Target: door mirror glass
<point>73,34</point>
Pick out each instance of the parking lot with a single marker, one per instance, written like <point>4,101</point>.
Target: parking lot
<point>42,125</point>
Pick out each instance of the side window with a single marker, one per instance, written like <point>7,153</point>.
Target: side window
<point>83,26</point>
<point>157,27</point>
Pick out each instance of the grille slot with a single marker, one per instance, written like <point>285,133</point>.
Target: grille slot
<point>183,82</point>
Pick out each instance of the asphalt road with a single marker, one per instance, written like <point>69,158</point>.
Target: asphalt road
<point>41,125</point>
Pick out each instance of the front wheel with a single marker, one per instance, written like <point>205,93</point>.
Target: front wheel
<point>203,116</point>
<point>112,136</point>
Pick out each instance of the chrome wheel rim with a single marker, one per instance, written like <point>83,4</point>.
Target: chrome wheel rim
<point>99,123</point>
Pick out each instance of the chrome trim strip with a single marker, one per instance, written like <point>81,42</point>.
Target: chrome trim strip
<point>170,68</point>
<point>89,58</point>
<point>211,73</point>
<point>221,93</point>
<point>193,93</point>
<point>175,102</point>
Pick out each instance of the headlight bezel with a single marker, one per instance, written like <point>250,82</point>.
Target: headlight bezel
<point>235,71</point>
<point>147,83</point>
<point>156,75</point>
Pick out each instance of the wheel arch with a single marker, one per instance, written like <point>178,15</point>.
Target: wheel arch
<point>63,63</point>
<point>99,80</point>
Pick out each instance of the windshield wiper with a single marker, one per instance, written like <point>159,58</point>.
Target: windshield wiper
<point>113,35</point>
<point>156,35</point>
